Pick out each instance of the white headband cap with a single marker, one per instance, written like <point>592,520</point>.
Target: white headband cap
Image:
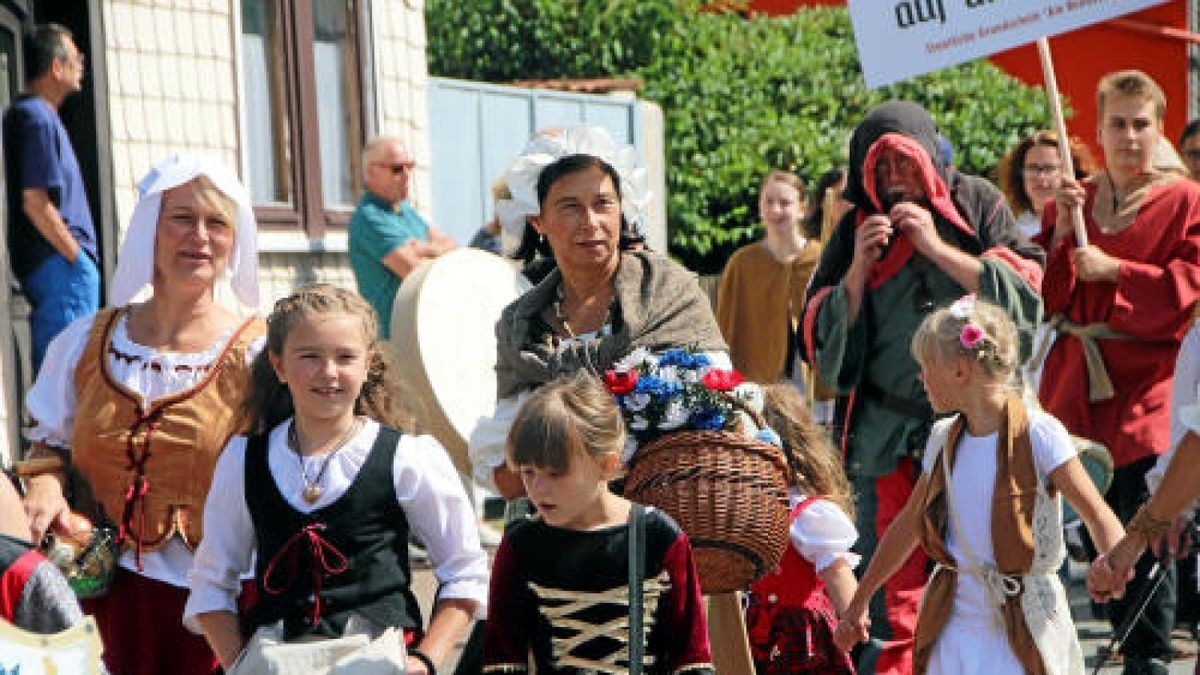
<point>135,262</point>
<point>547,147</point>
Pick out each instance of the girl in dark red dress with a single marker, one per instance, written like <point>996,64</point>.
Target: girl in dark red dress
<point>560,581</point>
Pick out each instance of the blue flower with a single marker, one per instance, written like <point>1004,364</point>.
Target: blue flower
<point>709,419</point>
<point>683,358</point>
<point>657,388</point>
<point>673,357</point>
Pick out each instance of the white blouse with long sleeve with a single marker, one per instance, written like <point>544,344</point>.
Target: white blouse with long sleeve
<point>151,373</point>
<point>427,488</point>
<point>1185,414</point>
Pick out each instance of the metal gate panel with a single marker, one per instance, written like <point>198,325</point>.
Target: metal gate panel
<point>476,129</point>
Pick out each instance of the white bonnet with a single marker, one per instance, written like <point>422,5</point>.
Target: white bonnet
<point>545,148</point>
<point>135,262</point>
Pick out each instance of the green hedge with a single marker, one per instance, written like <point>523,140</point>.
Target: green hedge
<point>505,40</point>
<point>740,95</point>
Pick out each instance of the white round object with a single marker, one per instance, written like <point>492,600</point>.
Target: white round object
<point>444,339</point>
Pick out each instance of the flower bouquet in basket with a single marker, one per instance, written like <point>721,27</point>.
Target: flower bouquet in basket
<point>680,389</point>
<point>699,451</point>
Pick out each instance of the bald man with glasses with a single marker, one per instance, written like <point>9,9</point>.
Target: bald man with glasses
<point>388,238</point>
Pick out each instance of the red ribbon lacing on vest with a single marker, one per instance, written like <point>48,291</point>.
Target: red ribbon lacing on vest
<point>318,547</point>
<point>139,484</point>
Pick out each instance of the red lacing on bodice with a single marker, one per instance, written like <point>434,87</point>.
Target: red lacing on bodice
<point>139,484</point>
<point>318,546</point>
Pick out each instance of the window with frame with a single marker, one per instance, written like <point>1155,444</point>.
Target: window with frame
<point>303,111</point>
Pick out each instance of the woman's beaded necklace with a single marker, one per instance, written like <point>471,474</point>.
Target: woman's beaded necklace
<point>560,298</point>
<point>312,487</point>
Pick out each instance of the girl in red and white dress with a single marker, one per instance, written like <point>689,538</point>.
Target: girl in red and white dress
<point>792,611</point>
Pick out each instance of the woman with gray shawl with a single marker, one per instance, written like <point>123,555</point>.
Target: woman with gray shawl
<point>573,192</point>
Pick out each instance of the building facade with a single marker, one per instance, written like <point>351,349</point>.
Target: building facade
<point>283,91</point>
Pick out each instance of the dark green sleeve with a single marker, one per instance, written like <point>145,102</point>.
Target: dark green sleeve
<point>836,349</point>
<point>1000,285</point>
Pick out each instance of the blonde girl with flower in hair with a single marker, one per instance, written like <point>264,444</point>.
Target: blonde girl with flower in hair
<point>325,493</point>
<point>986,510</point>
<point>564,594</point>
<point>792,611</point>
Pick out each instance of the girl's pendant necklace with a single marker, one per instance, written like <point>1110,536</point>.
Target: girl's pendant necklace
<point>312,487</point>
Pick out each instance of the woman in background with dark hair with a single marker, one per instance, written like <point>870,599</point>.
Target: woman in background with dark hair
<point>1029,174</point>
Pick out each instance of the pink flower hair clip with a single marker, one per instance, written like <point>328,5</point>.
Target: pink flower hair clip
<point>971,336</point>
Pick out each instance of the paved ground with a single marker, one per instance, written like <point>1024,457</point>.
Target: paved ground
<point>1093,635</point>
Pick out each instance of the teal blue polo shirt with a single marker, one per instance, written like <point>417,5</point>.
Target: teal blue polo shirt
<point>375,231</point>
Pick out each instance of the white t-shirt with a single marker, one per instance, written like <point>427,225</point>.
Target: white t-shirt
<point>973,483</point>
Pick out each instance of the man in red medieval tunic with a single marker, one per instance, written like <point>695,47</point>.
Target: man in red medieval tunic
<point>1121,305</point>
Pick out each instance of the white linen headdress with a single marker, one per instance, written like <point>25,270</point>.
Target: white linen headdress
<point>135,262</point>
<point>545,148</point>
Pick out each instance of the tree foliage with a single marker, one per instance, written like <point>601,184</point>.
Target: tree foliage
<point>740,95</point>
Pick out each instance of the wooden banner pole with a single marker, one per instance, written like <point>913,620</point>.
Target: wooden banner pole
<point>1060,126</point>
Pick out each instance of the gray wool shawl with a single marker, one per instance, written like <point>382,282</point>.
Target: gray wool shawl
<point>660,304</point>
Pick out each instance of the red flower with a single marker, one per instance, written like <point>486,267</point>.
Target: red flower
<point>620,381</point>
<point>722,380</point>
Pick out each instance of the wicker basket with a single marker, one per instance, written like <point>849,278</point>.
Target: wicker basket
<point>727,492</point>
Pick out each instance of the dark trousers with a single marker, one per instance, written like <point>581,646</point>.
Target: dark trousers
<point>1151,636</point>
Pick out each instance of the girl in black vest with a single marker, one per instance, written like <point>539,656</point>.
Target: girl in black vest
<point>326,495</point>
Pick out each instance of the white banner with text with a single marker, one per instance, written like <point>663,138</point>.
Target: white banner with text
<point>898,39</point>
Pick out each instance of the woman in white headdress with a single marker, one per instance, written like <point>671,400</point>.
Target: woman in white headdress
<point>140,398</point>
<point>576,205</point>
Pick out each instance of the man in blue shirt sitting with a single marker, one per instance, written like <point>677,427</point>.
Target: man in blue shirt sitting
<point>51,239</point>
<point>388,238</point>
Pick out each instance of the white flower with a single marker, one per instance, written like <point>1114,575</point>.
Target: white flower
<point>692,375</point>
<point>633,359</point>
<point>669,373</point>
<point>636,402</point>
<point>748,427</point>
<point>674,416</point>
<point>639,423</point>
<point>751,394</point>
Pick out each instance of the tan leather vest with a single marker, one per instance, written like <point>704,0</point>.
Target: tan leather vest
<point>150,469</point>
